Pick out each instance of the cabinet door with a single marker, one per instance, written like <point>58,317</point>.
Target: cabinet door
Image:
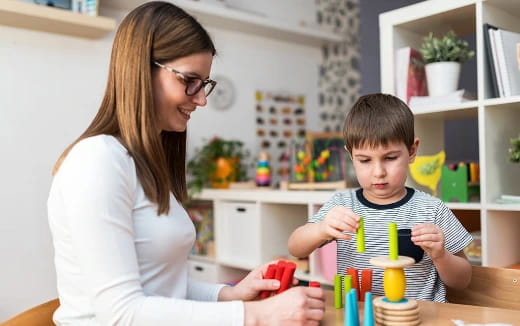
<point>237,227</point>
<point>203,271</point>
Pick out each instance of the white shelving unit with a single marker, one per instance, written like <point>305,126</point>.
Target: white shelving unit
<point>498,118</point>
<point>243,21</point>
<point>253,226</point>
<point>47,19</point>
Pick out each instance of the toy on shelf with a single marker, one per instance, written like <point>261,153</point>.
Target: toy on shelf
<point>426,170</point>
<point>263,170</point>
<point>201,213</point>
<point>393,306</point>
<point>460,182</point>
<point>319,162</point>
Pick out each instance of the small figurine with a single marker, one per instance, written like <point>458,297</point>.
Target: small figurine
<point>263,171</point>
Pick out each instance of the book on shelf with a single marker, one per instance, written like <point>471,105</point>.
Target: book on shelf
<point>456,97</point>
<point>489,59</point>
<point>410,76</point>
<point>508,199</point>
<point>505,73</point>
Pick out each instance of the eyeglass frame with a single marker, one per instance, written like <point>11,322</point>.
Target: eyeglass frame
<point>187,79</point>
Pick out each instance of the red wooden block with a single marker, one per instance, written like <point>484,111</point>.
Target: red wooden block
<point>279,270</point>
<point>314,284</point>
<point>355,281</point>
<point>269,274</point>
<point>366,283</point>
<point>287,277</point>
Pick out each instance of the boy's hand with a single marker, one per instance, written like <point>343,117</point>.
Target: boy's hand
<point>338,220</point>
<point>431,238</point>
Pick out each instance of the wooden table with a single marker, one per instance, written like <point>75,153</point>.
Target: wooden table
<point>434,313</point>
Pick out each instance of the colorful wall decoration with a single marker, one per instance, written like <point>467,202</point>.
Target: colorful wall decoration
<point>280,120</point>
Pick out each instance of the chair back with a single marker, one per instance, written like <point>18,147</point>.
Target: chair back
<point>490,287</point>
<point>40,315</point>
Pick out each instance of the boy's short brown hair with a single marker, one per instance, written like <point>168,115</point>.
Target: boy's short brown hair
<point>378,119</point>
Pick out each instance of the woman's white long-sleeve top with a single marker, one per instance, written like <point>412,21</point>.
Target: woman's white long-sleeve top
<point>118,262</point>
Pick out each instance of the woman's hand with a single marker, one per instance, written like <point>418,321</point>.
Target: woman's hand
<point>298,306</point>
<point>251,286</point>
<point>431,238</point>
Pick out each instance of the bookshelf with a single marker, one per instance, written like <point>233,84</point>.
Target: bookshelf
<point>498,118</point>
<point>244,21</point>
<point>53,20</point>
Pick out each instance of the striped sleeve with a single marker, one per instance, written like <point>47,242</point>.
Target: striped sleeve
<point>338,199</point>
<point>456,237</point>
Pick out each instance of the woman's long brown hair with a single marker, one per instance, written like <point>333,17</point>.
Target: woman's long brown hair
<point>153,31</point>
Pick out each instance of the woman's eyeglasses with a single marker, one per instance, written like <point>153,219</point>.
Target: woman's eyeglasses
<point>193,84</point>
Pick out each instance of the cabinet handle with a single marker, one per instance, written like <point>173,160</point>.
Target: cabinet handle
<point>241,209</point>
<point>199,268</point>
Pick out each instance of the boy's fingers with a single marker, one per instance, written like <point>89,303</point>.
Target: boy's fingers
<point>341,225</point>
<point>340,235</point>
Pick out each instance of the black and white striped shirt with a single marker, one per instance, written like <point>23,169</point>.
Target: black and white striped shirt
<point>422,280</point>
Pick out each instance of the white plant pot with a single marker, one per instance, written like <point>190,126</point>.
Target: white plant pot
<point>442,77</point>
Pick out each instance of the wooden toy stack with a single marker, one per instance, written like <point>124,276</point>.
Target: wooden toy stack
<point>394,309</point>
<point>263,171</point>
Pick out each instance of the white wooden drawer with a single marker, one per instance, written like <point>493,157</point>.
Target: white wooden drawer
<point>237,227</point>
<point>203,271</point>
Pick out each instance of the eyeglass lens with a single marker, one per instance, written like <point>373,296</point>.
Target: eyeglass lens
<point>194,86</point>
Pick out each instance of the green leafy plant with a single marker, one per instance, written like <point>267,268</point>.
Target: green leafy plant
<point>447,48</point>
<point>202,167</point>
<point>514,150</point>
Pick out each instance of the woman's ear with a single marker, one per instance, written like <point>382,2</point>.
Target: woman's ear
<point>413,150</point>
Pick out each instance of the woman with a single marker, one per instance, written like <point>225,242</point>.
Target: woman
<point>121,238</point>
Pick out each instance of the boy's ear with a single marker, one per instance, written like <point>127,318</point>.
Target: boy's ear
<point>413,150</point>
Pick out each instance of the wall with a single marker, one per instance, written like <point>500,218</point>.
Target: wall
<point>252,63</point>
<point>369,40</point>
<point>50,88</point>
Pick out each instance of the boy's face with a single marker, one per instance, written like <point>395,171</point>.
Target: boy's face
<point>382,171</point>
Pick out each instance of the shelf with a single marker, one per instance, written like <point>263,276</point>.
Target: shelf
<point>437,16</point>
<point>459,111</point>
<point>465,206</point>
<point>503,207</point>
<point>502,100</point>
<point>506,5</point>
<point>53,20</point>
<point>267,196</point>
<point>206,259</point>
<point>234,263</point>
<point>244,22</point>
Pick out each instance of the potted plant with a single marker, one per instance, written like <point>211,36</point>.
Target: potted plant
<point>216,164</point>
<point>442,58</point>
<point>514,150</point>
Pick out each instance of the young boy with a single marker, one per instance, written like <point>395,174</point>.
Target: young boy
<point>379,135</point>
